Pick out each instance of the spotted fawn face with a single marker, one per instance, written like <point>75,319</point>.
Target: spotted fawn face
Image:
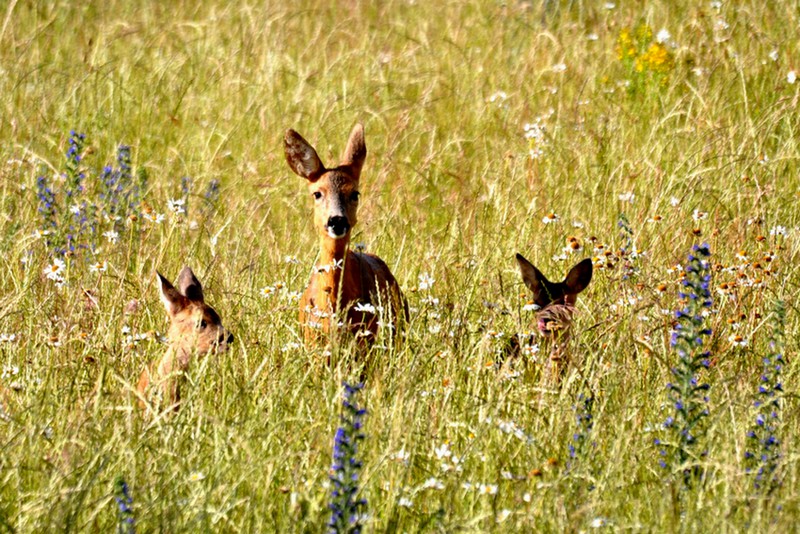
<point>555,300</point>
<point>334,191</point>
<point>195,327</point>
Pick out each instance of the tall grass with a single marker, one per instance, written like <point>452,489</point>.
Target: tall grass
<point>687,138</point>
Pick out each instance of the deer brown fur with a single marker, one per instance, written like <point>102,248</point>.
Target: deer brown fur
<point>195,330</point>
<point>343,281</point>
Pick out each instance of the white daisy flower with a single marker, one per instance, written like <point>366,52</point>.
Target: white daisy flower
<point>155,218</point>
<point>99,267</point>
<point>443,451</point>
<point>364,307</point>
<point>777,230</point>
<point>112,236</point>
<point>176,206</point>
<point>267,291</point>
<point>433,483</point>
<point>401,456</point>
<point>487,489</point>
<point>425,281</point>
<point>530,350</point>
<point>550,218</point>
<point>55,271</point>
<point>737,340</point>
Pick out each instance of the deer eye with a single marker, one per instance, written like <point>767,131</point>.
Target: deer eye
<point>202,324</point>
<point>354,196</point>
<point>317,195</point>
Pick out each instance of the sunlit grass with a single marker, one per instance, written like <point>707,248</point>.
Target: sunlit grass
<point>694,142</point>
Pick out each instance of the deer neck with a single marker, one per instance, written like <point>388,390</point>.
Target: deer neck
<point>332,257</point>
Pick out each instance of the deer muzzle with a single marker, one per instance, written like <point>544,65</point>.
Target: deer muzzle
<point>338,227</point>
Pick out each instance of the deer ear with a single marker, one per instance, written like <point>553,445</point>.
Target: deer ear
<point>173,301</point>
<point>579,277</point>
<point>532,276</point>
<point>301,156</point>
<point>356,150</point>
<point>189,285</point>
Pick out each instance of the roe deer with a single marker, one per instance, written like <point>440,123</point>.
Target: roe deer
<point>555,305</point>
<point>343,281</point>
<point>195,330</point>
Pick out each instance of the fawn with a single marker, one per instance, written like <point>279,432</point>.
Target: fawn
<point>355,283</point>
<point>195,330</point>
<point>555,303</point>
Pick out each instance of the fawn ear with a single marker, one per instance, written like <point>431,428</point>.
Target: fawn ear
<point>301,156</point>
<point>356,150</point>
<point>579,277</point>
<point>532,277</point>
<point>189,285</point>
<point>173,301</point>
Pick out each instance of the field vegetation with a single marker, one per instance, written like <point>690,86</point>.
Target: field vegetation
<point>144,136</point>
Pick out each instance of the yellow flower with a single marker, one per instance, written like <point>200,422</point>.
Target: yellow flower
<point>625,48</point>
<point>637,48</point>
<point>659,59</point>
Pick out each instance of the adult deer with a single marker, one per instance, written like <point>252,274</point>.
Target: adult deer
<point>357,284</point>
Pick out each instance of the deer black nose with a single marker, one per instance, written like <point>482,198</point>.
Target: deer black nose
<point>338,226</point>
<point>230,339</point>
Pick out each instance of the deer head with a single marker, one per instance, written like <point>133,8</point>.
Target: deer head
<point>335,191</point>
<point>555,300</point>
<point>195,327</point>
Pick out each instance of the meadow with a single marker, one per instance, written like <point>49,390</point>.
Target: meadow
<point>144,136</point>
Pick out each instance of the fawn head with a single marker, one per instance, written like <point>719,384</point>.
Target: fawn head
<point>335,191</point>
<point>555,300</point>
<point>195,327</point>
